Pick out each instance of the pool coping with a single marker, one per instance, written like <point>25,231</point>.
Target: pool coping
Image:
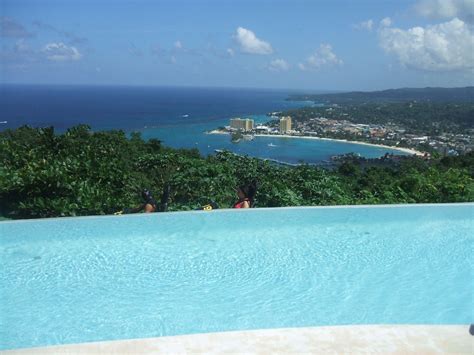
<point>242,210</point>
<point>385,338</point>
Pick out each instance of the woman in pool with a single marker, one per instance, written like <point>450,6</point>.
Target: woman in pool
<point>246,194</point>
<point>149,204</point>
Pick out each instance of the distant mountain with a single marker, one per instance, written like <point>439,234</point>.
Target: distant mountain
<point>428,94</point>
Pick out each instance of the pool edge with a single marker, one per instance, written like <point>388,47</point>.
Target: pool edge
<point>426,339</point>
<point>243,210</point>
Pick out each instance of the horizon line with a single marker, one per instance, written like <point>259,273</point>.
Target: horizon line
<point>304,91</point>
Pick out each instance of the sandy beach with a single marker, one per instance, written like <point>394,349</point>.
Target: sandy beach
<point>405,150</point>
<point>216,131</point>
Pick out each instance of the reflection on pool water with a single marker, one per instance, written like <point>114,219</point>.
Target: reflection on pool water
<point>76,280</point>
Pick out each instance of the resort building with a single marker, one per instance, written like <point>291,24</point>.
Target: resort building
<point>240,124</point>
<point>262,129</point>
<point>285,124</point>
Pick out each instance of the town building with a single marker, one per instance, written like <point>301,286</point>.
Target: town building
<point>262,129</point>
<point>285,124</point>
<point>240,124</point>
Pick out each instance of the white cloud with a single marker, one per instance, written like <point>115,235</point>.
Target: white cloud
<point>178,45</point>
<point>324,56</point>
<point>230,52</point>
<point>444,47</point>
<point>386,22</point>
<point>249,43</point>
<point>59,52</point>
<point>365,25</point>
<point>443,9</point>
<point>278,65</point>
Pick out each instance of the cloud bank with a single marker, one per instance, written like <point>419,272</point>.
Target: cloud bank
<point>59,52</point>
<point>386,22</point>
<point>278,65</point>
<point>444,9</point>
<point>365,25</point>
<point>324,56</point>
<point>447,46</point>
<point>250,44</point>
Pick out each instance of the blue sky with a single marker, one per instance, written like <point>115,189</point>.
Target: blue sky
<point>320,45</point>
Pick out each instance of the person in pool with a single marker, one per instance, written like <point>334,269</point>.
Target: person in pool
<point>149,204</point>
<point>246,195</point>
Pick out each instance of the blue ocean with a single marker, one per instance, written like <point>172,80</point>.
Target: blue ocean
<point>178,116</point>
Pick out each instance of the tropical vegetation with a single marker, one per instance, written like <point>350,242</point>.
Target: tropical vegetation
<point>80,172</point>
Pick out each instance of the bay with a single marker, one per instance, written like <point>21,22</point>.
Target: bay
<point>179,116</point>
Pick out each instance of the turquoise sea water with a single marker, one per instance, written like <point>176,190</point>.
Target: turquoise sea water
<point>76,280</point>
<point>177,116</point>
<point>283,149</point>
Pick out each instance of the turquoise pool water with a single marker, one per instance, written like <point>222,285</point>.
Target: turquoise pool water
<point>76,280</point>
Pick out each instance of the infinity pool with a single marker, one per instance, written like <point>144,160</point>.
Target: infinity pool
<point>75,280</point>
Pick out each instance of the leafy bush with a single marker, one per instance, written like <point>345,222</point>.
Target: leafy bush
<point>82,172</point>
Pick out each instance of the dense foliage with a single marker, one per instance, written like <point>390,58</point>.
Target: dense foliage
<point>82,173</point>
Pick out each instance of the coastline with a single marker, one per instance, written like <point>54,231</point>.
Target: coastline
<point>401,149</point>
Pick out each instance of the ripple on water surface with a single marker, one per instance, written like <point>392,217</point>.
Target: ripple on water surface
<point>78,280</point>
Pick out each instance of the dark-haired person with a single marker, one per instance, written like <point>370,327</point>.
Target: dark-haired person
<point>246,195</point>
<point>149,204</point>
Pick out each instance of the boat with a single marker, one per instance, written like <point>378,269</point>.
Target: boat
<point>248,137</point>
<point>3,122</point>
<point>271,145</point>
<point>184,116</point>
